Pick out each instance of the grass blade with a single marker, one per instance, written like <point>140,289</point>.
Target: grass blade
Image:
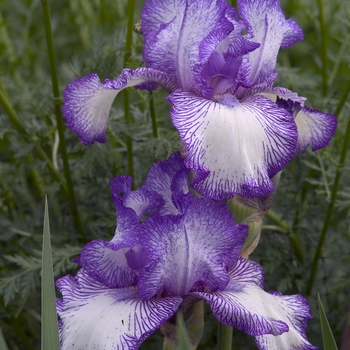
<point>327,335</point>
<point>49,324</point>
<point>3,345</point>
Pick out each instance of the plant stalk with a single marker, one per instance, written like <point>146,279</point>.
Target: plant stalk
<point>127,55</point>
<point>324,45</point>
<point>153,115</point>
<point>224,341</point>
<point>330,209</point>
<point>59,118</point>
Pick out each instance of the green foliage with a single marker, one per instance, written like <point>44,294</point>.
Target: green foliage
<point>327,335</point>
<point>49,324</point>
<point>90,37</point>
<point>184,341</point>
<point>3,345</point>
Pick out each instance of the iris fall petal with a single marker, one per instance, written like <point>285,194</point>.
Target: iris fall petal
<point>94,316</point>
<point>234,147</point>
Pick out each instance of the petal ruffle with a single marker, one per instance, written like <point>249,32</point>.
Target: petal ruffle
<point>169,179</point>
<point>234,147</point>
<point>267,25</point>
<point>87,102</point>
<point>141,201</point>
<point>277,321</point>
<point>199,246</point>
<point>174,31</point>
<point>113,269</point>
<point>95,317</point>
<point>314,128</point>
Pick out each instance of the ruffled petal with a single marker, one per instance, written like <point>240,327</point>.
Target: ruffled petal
<point>277,321</point>
<point>87,102</point>
<point>234,147</point>
<point>128,224</point>
<point>198,246</point>
<point>168,178</point>
<point>277,92</point>
<point>95,317</point>
<point>267,25</point>
<point>107,263</point>
<point>141,201</point>
<point>174,31</point>
<point>314,128</point>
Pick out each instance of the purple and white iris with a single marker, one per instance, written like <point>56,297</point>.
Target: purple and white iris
<point>238,129</point>
<point>186,249</point>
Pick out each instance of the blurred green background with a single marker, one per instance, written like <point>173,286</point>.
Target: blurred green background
<point>89,36</point>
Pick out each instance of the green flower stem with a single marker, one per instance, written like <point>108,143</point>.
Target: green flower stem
<point>324,38</point>
<point>59,118</point>
<point>224,341</point>
<point>38,150</point>
<point>6,105</point>
<point>343,99</point>
<point>127,55</point>
<point>283,227</point>
<point>128,137</point>
<point>274,217</point>
<point>153,115</point>
<point>37,182</point>
<point>103,13</point>
<point>330,209</point>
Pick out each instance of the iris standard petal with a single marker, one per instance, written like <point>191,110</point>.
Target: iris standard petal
<point>314,128</point>
<point>173,47</point>
<point>267,25</point>
<point>107,263</point>
<point>161,178</point>
<point>141,201</point>
<point>87,102</point>
<point>234,147</point>
<point>195,247</point>
<point>95,317</point>
<point>276,320</point>
<point>128,223</point>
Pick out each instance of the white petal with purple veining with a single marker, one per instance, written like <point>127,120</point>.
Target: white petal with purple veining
<point>276,320</point>
<point>267,25</point>
<point>87,102</point>
<point>314,128</point>
<point>234,147</point>
<point>95,317</point>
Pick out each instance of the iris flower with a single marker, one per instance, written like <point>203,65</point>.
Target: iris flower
<point>238,129</point>
<point>187,249</point>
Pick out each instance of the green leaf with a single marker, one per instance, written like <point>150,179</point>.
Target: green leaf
<point>184,342</point>
<point>327,335</point>
<point>3,345</point>
<point>49,324</point>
